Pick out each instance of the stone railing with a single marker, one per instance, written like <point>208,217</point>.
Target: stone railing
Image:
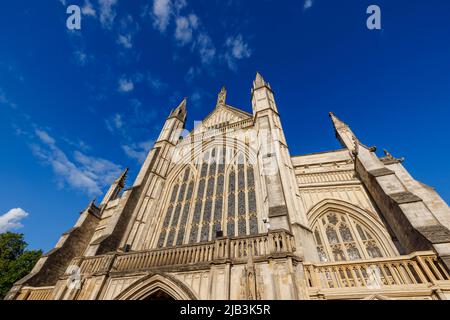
<point>234,249</point>
<point>89,265</point>
<point>415,269</point>
<point>42,293</point>
<point>237,250</point>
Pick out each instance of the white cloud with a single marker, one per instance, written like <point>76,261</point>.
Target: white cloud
<point>85,173</point>
<point>156,83</point>
<point>107,12</point>
<point>126,85</point>
<point>77,42</point>
<point>184,28</point>
<point>88,9</point>
<point>191,74</point>
<point>125,41</point>
<point>11,219</point>
<point>114,123</point>
<point>127,28</point>
<point>162,10</point>
<point>187,27</point>
<point>307,4</point>
<point>138,151</point>
<point>196,98</point>
<point>205,48</point>
<point>237,49</point>
<point>45,137</point>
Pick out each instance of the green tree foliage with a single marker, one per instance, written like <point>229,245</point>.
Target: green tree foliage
<point>15,261</point>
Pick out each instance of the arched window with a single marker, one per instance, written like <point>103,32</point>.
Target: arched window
<point>218,196</point>
<point>340,237</point>
<point>174,224</point>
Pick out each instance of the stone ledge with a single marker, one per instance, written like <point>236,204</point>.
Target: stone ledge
<point>381,172</point>
<point>405,197</point>
<point>435,233</point>
<point>277,211</point>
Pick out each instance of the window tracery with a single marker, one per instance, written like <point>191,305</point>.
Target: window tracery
<point>220,197</point>
<point>340,237</point>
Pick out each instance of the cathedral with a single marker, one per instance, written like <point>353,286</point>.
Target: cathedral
<point>226,212</point>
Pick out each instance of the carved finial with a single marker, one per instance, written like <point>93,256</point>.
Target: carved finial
<point>338,123</point>
<point>391,157</point>
<point>356,147</point>
<point>91,206</point>
<point>123,177</point>
<point>388,155</point>
<point>222,97</point>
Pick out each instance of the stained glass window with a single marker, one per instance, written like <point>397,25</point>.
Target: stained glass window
<point>225,200</point>
<point>339,237</point>
<point>231,203</point>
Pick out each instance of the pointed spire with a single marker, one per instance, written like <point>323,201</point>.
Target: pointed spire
<point>260,82</point>
<point>115,188</point>
<point>180,111</point>
<point>222,98</point>
<point>91,207</point>
<point>92,203</point>
<point>338,123</point>
<point>120,181</point>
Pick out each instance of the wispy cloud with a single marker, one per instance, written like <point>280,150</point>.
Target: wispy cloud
<point>11,219</point>
<point>307,4</point>
<point>85,173</point>
<point>206,48</point>
<point>107,12</point>
<point>236,49</point>
<point>138,151</point>
<point>88,9</point>
<point>125,84</point>
<point>185,27</point>
<point>4,100</point>
<point>161,13</point>
<point>197,97</point>
<point>80,55</point>
<point>192,73</point>
<point>156,84</point>
<point>137,124</point>
<point>12,71</point>
<point>127,28</point>
<point>125,41</point>
<point>114,123</point>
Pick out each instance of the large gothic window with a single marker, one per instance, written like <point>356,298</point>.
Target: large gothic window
<point>219,197</point>
<point>174,224</point>
<point>241,205</point>
<point>340,237</point>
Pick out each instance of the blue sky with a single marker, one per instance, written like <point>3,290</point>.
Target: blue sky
<point>77,107</point>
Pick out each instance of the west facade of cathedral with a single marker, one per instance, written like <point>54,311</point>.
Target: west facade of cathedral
<point>225,212</point>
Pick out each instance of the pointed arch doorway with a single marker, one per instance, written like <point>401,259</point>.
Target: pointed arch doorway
<point>159,295</point>
<point>157,287</point>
